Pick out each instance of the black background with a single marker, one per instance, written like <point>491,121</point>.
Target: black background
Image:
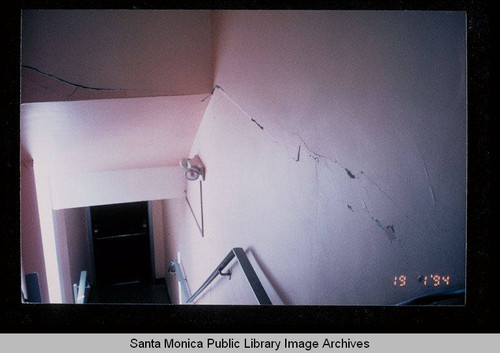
<point>478,315</point>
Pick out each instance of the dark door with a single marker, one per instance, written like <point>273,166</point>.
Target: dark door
<point>121,244</point>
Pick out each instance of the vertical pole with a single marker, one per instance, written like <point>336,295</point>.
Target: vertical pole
<point>201,208</point>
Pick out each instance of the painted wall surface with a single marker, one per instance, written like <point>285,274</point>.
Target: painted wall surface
<point>335,149</point>
<point>32,259</point>
<point>78,243</point>
<point>107,58</point>
<point>117,186</point>
<point>71,235</point>
<point>62,241</point>
<point>48,226</point>
<point>103,54</point>
<point>111,134</point>
<point>178,238</point>
<point>106,151</point>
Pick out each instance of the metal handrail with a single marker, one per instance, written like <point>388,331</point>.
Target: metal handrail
<point>431,299</point>
<point>253,279</point>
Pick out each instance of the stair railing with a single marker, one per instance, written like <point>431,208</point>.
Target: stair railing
<point>251,276</point>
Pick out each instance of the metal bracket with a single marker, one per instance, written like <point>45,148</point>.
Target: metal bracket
<point>228,273</point>
<point>246,266</point>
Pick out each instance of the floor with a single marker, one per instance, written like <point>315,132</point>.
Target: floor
<point>132,293</point>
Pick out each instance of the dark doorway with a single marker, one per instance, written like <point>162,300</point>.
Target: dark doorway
<point>121,243</point>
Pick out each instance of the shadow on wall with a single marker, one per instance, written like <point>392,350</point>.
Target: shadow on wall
<point>283,297</point>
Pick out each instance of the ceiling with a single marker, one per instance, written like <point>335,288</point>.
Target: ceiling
<point>112,89</point>
<point>110,134</point>
<point>95,54</point>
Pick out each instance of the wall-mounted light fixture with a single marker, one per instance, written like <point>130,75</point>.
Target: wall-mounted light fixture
<point>194,168</point>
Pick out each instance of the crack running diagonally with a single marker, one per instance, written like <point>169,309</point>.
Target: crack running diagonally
<point>355,175</point>
<point>69,82</point>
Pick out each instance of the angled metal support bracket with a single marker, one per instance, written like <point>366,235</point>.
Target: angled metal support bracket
<point>248,271</point>
<point>228,273</point>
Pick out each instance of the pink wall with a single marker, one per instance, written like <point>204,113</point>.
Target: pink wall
<point>335,147</point>
<point>141,54</point>
<point>62,252</point>
<point>105,151</point>
<point>31,244</point>
<point>78,244</point>
<point>335,151</point>
<point>117,186</point>
<point>111,134</point>
<point>71,234</point>
<point>177,239</point>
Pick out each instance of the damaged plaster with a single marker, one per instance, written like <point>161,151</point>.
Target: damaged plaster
<point>77,85</point>
<point>389,229</point>
<point>349,173</point>
<point>217,87</point>
<point>298,154</point>
<point>256,123</point>
<point>335,178</point>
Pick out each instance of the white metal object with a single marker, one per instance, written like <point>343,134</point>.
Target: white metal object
<point>181,279</point>
<point>79,290</point>
<point>194,168</point>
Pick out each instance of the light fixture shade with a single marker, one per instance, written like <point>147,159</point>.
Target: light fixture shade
<point>194,168</point>
<point>191,174</point>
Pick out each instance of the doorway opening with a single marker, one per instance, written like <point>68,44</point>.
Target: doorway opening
<point>121,249</point>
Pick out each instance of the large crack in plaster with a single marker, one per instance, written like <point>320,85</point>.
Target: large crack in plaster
<point>350,173</point>
<point>239,107</point>
<point>388,228</point>
<point>74,84</point>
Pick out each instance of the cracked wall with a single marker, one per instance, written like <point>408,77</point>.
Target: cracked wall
<point>335,148</point>
<point>95,54</point>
